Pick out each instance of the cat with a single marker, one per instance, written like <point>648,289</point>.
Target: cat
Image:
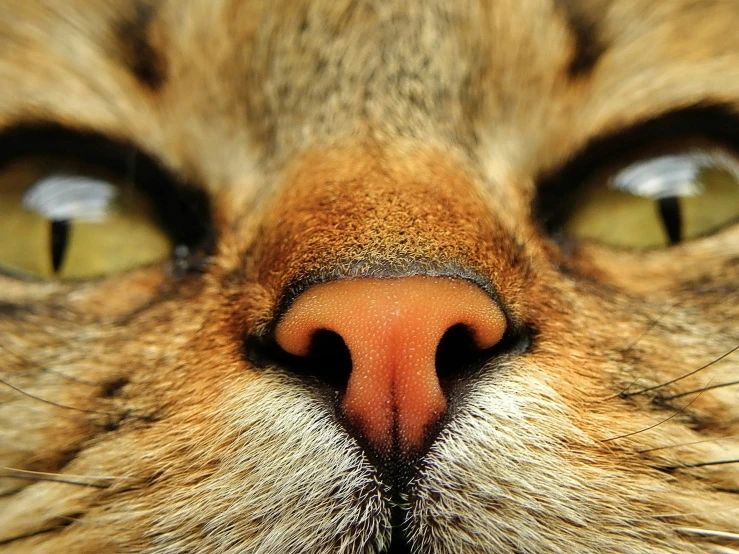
<point>353,277</point>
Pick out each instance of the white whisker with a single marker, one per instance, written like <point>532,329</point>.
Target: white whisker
<point>709,533</point>
<point>693,514</point>
<point>723,550</point>
<point>84,480</point>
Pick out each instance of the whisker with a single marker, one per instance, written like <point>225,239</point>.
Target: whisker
<point>717,439</point>
<point>700,464</point>
<point>648,330</point>
<point>9,540</point>
<point>623,392</point>
<point>46,369</point>
<point>709,533</point>
<point>693,514</point>
<point>633,343</point>
<point>732,383</point>
<point>678,412</point>
<point>98,482</point>
<point>63,375</point>
<point>56,404</point>
<point>709,364</point>
<point>723,550</point>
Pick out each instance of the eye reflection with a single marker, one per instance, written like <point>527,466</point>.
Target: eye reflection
<point>71,197</point>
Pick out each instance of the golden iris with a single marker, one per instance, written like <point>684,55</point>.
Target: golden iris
<point>659,201</point>
<point>65,221</point>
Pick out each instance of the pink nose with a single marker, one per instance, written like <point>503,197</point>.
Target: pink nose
<point>392,328</point>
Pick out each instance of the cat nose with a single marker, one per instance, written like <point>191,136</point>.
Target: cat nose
<point>403,335</point>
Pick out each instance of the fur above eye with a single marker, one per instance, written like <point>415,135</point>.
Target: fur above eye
<point>658,201</point>
<point>73,222</point>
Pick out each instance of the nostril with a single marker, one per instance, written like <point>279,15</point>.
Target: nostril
<point>328,359</point>
<point>457,352</point>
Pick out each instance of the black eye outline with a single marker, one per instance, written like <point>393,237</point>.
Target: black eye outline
<point>183,210</point>
<point>711,123</point>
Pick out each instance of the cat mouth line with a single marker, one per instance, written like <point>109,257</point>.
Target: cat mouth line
<point>398,484</point>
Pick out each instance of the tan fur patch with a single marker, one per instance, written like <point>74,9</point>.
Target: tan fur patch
<point>344,139</point>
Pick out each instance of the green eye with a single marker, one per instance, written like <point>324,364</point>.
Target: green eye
<point>72,223</point>
<point>659,201</point>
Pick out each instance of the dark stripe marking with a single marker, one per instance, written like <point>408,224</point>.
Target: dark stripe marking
<point>589,45</point>
<point>137,52</point>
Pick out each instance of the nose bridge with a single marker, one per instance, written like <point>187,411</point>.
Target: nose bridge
<point>371,212</point>
<point>361,252</point>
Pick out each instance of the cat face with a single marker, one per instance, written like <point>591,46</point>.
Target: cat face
<point>177,177</point>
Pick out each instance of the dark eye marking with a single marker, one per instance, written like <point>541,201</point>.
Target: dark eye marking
<point>588,40</point>
<point>137,50</point>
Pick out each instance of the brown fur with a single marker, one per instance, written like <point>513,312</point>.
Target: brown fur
<point>356,138</point>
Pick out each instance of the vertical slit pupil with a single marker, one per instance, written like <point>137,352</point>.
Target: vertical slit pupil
<point>669,211</point>
<point>59,242</point>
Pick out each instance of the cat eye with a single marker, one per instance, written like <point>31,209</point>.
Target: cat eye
<point>72,222</point>
<point>657,201</point>
<point>78,205</point>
